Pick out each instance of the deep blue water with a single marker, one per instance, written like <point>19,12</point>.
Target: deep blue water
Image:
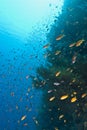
<point>15,65</point>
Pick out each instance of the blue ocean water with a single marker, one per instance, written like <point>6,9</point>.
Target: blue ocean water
<point>29,50</point>
<point>21,42</point>
<point>15,66</point>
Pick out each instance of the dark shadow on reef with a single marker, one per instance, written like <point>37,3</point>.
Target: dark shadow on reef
<point>64,79</point>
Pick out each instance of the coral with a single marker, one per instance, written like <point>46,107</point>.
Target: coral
<point>64,73</point>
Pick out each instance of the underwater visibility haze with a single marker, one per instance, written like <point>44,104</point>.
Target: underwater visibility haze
<point>43,65</point>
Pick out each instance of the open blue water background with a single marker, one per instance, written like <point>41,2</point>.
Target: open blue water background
<point>20,53</point>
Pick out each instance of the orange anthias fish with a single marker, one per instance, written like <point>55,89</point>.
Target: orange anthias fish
<point>74,99</point>
<point>71,45</point>
<point>64,97</point>
<point>78,43</point>
<point>58,73</point>
<point>52,98</point>
<point>84,95</point>
<point>60,37</point>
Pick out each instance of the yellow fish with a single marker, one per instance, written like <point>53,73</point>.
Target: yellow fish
<point>64,97</point>
<point>57,52</point>
<point>23,117</point>
<point>74,99</point>
<point>74,93</point>
<point>78,43</point>
<point>74,80</point>
<point>60,37</point>
<point>71,45</point>
<point>52,98</point>
<point>61,116</point>
<point>84,95</point>
<point>58,73</point>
